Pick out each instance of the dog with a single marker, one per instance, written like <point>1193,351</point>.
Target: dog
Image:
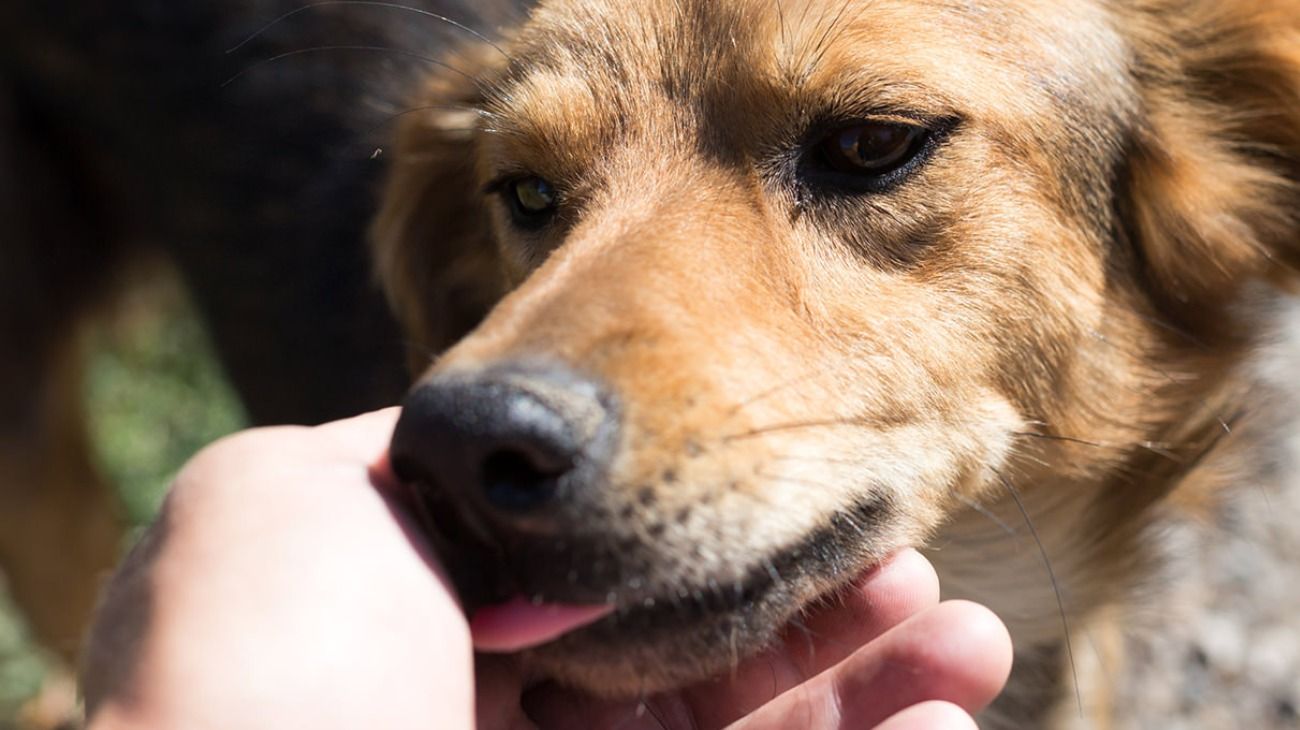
<point>748,366</point>
<point>761,291</point>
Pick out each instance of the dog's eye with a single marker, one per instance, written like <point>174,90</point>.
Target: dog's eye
<point>867,156</point>
<point>875,148</point>
<point>532,200</point>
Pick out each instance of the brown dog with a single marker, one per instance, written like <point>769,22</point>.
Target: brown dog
<point>787,285</point>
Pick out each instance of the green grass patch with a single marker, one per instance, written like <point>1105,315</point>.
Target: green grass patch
<point>155,396</point>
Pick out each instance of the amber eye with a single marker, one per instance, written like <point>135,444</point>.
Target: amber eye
<point>532,200</point>
<point>872,148</point>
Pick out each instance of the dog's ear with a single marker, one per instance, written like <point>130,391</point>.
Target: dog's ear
<point>1213,189</point>
<point>431,239</point>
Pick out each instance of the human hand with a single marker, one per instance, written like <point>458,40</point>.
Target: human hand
<point>284,586</point>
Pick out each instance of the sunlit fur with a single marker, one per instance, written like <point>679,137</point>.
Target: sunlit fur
<point>1042,323</point>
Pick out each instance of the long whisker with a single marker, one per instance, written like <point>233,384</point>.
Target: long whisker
<point>836,461</point>
<point>794,480</point>
<point>1064,439</point>
<point>775,389</point>
<point>780,15</point>
<point>482,114</point>
<point>827,40</point>
<point>809,636</point>
<point>1154,447</point>
<point>981,509</point>
<point>1056,585</point>
<point>1168,377</point>
<point>796,425</point>
<point>368,3</point>
<point>370,49</point>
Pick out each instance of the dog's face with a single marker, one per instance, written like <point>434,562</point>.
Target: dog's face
<point>789,283</point>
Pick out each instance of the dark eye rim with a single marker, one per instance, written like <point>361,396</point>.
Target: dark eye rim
<point>529,220</point>
<point>819,175</point>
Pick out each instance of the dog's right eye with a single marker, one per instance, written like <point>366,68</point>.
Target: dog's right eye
<point>532,200</point>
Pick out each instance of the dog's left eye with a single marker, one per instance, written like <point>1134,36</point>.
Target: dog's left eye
<point>875,148</point>
<point>866,157</point>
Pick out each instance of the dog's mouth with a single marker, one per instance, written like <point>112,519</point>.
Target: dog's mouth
<point>596,598</point>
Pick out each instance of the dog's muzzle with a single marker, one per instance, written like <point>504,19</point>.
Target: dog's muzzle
<point>510,463</point>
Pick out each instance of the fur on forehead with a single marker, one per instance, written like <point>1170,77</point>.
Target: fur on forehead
<point>579,62</point>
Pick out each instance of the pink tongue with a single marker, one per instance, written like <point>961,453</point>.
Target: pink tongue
<point>520,625</point>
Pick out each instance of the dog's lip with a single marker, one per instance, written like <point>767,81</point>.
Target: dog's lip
<point>520,624</point>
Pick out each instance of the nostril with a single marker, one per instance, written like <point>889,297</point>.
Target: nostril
<point>506,447</point>
<point>514,481</point>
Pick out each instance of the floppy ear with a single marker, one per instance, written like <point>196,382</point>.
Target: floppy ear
<point>431,240</point>
<point>1213,182</point>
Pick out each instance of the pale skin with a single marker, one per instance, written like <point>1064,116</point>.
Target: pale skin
<point>283,586</point>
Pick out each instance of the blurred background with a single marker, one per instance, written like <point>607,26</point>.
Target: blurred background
<point>155,394</point>
<point>185,188</point>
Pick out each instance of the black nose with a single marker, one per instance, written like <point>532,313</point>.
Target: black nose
<point>514,441</point>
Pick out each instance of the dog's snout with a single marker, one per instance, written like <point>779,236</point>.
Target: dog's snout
<point>513,442</point>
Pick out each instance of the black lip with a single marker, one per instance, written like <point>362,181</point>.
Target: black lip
<point>836,553</point>
<point>837,550</point>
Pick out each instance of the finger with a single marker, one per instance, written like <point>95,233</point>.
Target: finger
<point>498,684</point>
<point>554,708</point>
<point>255,454</point>
<point>930,716</point>
<point>363,437</point>
<point>884,598</point>
<point>956,652</point>
<point>837,628</point>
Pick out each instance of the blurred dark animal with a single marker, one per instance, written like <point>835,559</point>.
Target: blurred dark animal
<point>123,136</point>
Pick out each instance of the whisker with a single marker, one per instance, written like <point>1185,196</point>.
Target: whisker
<point>482,113</point>
<point>773,572</point>
<point>1065,439</point>
<point>655,713</point>
<point>1056,586</point>
<point>817,460</point>
<point>1169,378</point>
<point>803,17</point>
<point>809,637</point>
<point>795,425</point>
<point>369,3</point>
<point>1155,447</point>
<point>780,15</point>
<point>827,40</point>
<point>794,480</point>
<point>981,509</point>
<point>1183,335</point>
<point>774,389</point>
<point>370,49</point>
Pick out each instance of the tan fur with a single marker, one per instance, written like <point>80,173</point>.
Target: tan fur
<point>72,514</point>
<point>1047,315</point>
